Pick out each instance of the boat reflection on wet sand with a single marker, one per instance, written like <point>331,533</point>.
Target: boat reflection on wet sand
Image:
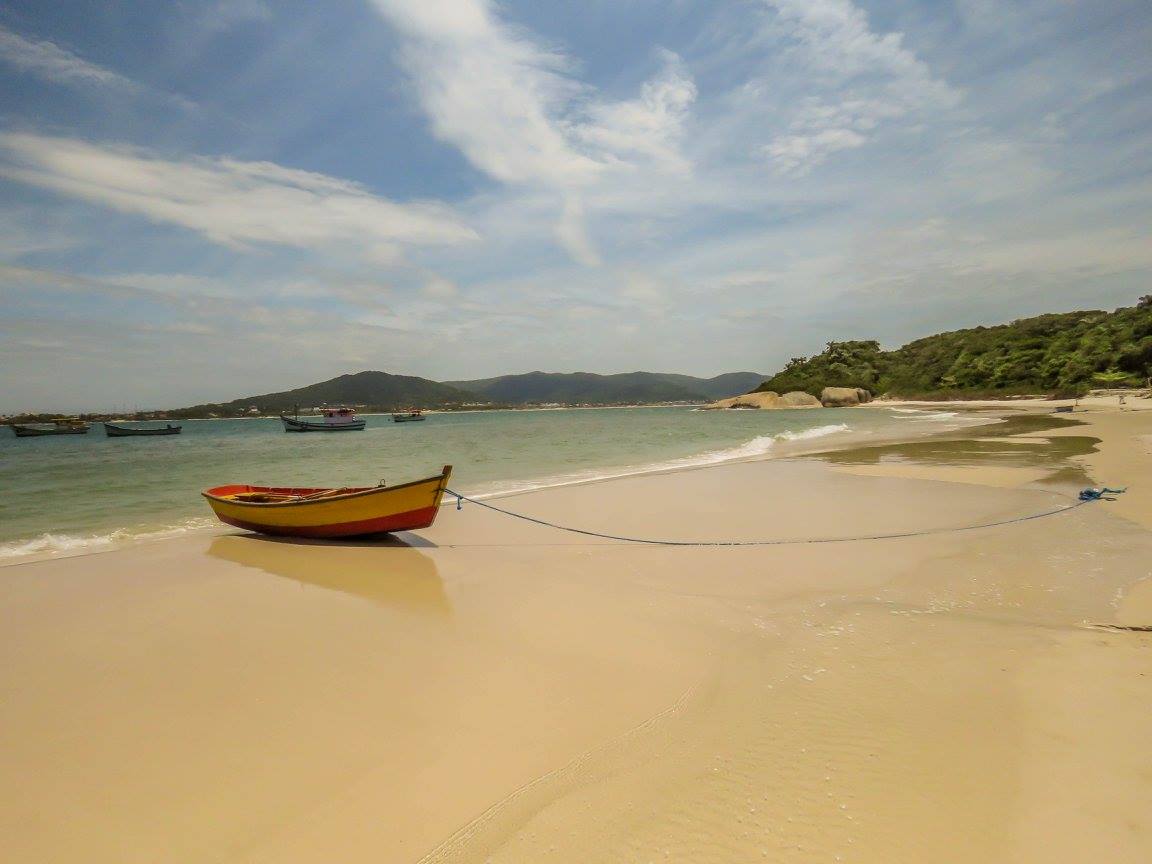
<point>387,572</point>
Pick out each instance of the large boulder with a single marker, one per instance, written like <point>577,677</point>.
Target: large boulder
<point>799,399</point>
<point>765,399</point>
<point>768,401</point>
<point>840,397</point>
<point>864,395</point>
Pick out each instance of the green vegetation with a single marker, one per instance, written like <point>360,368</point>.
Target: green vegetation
<point>377,391</point>
<point>1060,354</point>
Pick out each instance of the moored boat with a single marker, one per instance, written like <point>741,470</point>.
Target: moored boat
<point>320,512</point>
<point>113,431</point>
<point>58,427</point>
<point>408,416</point>
<point>332,420</point>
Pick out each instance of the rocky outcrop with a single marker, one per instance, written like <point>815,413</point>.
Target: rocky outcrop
<point>844,397</point>
<point>799,399</point>
<point>768,401</point>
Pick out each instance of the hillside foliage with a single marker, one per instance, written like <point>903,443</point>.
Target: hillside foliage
<point>1066,354</point>
<point>374,390</point>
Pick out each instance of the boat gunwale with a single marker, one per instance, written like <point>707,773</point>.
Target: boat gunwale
<point>442,477</point>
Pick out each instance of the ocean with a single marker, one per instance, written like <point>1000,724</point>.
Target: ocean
<point>80,492</point>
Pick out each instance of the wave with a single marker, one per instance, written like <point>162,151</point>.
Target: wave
<point>817,432</point>
<point>761,445</point>
<point>925,414</point>
<point>52,544</point>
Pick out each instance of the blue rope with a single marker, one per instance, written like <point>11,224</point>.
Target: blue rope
<point>1099,494</point>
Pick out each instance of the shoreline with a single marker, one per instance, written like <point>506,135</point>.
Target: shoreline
<point>782,447</point>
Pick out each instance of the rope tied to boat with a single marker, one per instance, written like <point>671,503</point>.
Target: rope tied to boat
<point>1087,496</point>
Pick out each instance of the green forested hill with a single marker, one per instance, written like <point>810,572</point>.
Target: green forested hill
<point>376,390</point>
<point>1065,353</point>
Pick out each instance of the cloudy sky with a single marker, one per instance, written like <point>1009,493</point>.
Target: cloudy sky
<point>203,199</point>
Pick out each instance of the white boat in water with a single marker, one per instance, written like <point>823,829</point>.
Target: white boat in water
<point>332,420</point>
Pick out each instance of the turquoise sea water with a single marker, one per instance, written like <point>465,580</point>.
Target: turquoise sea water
<point>69,492</point>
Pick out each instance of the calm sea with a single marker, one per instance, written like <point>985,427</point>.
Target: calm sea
<point>70,492</point>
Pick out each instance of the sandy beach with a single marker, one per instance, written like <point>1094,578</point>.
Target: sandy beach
<point>495,690</point>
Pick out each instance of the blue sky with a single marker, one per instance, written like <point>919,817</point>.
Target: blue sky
<point>203,200</point>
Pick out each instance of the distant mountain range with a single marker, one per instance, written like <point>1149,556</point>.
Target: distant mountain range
<point>576,388</point>
<point>384,392</point>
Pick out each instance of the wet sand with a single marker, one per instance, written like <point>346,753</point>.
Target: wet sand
<point>492,690</point>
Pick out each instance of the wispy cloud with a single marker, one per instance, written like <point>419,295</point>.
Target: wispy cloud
<point>649,127</point>
<point>228,201</point>
<point>863,80</point>
<point>55,63</point>
<point>490,90</point>
<point>513,109</point>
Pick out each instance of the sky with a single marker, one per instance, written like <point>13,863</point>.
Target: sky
<point>204,199</point>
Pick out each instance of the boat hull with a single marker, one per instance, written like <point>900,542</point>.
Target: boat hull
<point>406,418</point>
<point>331,512</point>
<point>33,432</point>
<point>129,432</point>
<point>291,425</point>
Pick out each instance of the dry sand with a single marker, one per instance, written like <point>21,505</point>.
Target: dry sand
<point>498,691</point>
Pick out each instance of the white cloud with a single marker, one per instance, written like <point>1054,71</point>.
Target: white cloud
<point>50,61</point>
<point>867,80</point>
<point>645,292</point>
<point>649,127</point>
<point>490,90</point>
<point>439,288</point>
<point>572,232</point>
<point>838,37</point>
<point>512,108</point>
<point>228,201</point>
<point>799,153</point>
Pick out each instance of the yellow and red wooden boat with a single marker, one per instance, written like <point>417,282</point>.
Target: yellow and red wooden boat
<point>346,512</point>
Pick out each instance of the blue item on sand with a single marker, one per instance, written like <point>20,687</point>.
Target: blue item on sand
<point>1103,494</point>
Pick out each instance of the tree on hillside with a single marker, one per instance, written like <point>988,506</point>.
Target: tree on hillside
<point>1063,353</point>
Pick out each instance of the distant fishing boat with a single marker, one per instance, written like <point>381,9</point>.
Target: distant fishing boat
<point>317,512</point>
<point>408,416</point>
<point>334,420</point>
<point>131,431</point>
<point>58,427</point>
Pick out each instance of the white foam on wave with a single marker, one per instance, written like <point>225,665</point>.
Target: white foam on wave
<point>817,432</point>
<point>926,414</point>
<point>50,544</point>
<point>761,445</point>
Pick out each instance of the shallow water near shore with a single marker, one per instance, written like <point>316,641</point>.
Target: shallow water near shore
<point>89,492</point>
